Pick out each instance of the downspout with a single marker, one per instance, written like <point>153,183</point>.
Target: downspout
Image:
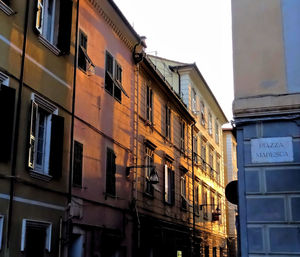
<point>73,107</point>
<point>179,83</point>
<point>16,128</point>
<point>193,179</point>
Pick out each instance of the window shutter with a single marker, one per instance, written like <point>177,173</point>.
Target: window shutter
<point>32,134</point>
<point>56,146</point>
<point>65,26</point>
<point>166,184</point>
<point>39,16</point>
<point>77,167</point>
<point>111,172</point>
<point>172,184</point>
<point>7,107</point>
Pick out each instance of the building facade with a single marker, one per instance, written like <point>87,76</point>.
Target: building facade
<point>209,216</point>
<point>266,113</point>
<point>231,174</point>
<point>36,81</point>
<point>100,211</point>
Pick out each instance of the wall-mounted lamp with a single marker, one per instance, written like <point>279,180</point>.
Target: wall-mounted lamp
<point>139,50</point>
<point>215,214</point>
<point>153,178</point>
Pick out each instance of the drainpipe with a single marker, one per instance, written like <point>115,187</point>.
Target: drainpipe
<point>193,179</point>
<point>16,129</point>
<point>73,107</point>
<point>179,83</point>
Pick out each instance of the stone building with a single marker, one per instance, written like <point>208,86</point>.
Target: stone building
<point>267,117</point>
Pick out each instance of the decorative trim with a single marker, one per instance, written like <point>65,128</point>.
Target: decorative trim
<point>49,45</point>
<point>111,24</point>
<point>44,103</point>
<point>40,176</point>
<point>183,169</point>
<point>6,9</point>
<point>149,144</point>
<point>4,79</point>
<point>169,158</point>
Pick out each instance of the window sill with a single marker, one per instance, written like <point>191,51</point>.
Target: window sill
<point>6,9</point>
<point>107,195</point>
<point>49,45</point>
<point>40,176</point>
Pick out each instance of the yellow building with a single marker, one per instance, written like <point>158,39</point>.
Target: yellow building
<point>36,77</point>
<point>209,216</point>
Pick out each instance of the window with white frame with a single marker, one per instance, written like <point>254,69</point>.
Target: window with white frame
<point>46,138</point>
<point>1,229</point>
<point>149,161</point>
<point>36,237</point>
<point>169,183</point>
<point>149,104</point>
<point>209,124</point>
<point>113,77</point>
<point>53,23</point>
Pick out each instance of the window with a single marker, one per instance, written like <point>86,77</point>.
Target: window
<point>149,161</point>
<point>184,200</point>
<point>195,146</point>
<point>203,114</point>
<point>203,155</point>
<point>7,106</point>
<point>1,229</point>
<point>214,251</point>
<point>82,51</point>
<point>212,202</point>
<point>113,77</point>
<point>168,122</point>
<point>46,139</point>
<point>206,251</point>
<point>149,104</point>
<point>209,124</point>
<point>169,184</point>
<point>110,172</point>
<point>53,23</point>
<point>196,198</point>
<point>36,237</point>
<point>182,136</point>
<point>194,101</point>
<point>204,202</point>
<point>218,169</point>
<point>217,139</point>
<point>219,208</point>
<point>211,163</point>
<point>77,167</point>
<point>221,252</point>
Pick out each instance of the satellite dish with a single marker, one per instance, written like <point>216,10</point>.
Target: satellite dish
<point>231,192</point>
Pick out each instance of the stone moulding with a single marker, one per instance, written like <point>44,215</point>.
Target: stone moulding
<point>111,24</point>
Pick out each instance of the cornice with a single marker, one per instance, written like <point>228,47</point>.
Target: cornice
<point>109,21</point>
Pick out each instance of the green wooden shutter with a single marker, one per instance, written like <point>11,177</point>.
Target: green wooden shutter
<point>56,146</point>
<point>7,107</point>
<point>65,26</point>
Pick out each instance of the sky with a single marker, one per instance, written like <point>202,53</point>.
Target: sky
<point>189,31</point>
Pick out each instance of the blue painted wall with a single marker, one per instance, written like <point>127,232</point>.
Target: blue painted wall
<point>269,193</point>
<point>291,33</point>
